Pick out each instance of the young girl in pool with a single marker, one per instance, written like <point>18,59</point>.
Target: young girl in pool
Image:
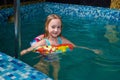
<point>52,36</point>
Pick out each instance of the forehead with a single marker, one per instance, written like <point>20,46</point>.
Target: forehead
<point>55,22</point>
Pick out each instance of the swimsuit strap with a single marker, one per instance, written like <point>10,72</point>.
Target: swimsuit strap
<point>48,42</point>
<point>59,40</point>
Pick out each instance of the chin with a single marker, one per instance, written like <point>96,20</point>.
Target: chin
<point>54,36</point>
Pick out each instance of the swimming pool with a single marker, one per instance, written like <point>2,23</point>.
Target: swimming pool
<point>92,27</point>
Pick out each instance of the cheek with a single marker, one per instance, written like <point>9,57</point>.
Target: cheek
<point>49,29</point>
<point>60,30</point>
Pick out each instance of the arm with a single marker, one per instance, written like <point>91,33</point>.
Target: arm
<point>94,50</point>
<point>40,43</point>
<point>26,51</point>
<point>75,46</point>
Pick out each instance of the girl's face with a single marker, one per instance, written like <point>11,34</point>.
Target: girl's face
<point>54,28</point>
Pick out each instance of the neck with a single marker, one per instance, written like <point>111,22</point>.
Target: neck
<point>52,38</point>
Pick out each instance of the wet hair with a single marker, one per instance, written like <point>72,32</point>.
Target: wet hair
<point>49,18</point>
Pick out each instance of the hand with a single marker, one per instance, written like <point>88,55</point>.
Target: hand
<point>97,51</point>
<point>23,52</point>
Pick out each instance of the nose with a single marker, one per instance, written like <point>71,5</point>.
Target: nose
<point>56,29</point>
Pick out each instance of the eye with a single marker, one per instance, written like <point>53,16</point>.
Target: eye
<point>59,27</point>
<point>53,26</point>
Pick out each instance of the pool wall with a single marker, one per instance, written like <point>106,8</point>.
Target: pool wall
<point>14,69</point>
<point>28,11</point>
<point>45,8</point>
<point>82,11</point>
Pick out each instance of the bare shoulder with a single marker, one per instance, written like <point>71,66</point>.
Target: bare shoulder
<point>62,37</point>
<point>65,40</point>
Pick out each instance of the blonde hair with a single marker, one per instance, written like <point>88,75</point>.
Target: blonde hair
<point>49,18</point>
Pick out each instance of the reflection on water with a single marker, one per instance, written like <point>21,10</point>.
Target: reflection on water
<point>110,59</point>
<point>111,34</point>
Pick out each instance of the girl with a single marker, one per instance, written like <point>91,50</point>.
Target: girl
<point>52,36</point>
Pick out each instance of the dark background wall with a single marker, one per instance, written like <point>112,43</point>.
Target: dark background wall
<point>2,2</point>
<point>100,3</point>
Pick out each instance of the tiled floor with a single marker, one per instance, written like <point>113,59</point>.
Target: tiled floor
<point>13,69</point>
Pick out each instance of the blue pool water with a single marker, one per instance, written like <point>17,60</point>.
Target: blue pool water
<point>80,63</point>
<point>85,65</point>
<point>99,29</point>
